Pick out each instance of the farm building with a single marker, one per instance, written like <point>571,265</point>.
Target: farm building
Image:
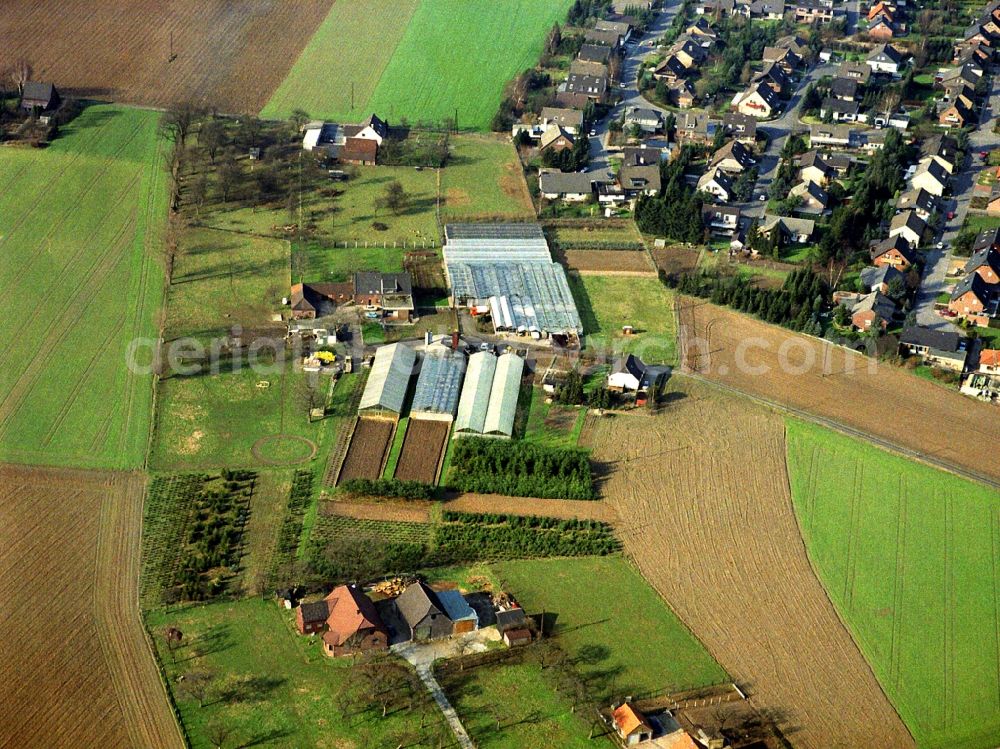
<point>348,620</point>
<point>438,385</point>
<point>464,618</point>
<point>389,380</point>
<point>489,395</point>
<point>508,269</point>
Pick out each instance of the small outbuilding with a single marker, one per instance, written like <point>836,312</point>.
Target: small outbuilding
<point>463,617</point>
<point>39,97</point>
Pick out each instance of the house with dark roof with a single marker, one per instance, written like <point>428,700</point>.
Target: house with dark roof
<point>732,158</point>
<point>573,187</point>
<point>975,300</point>
<point>695,128</point>
<point>986,263</point>
<point>797,230</point>
<point>742,127</point>
<point>721,219</point>
<point>347,620</point>
<point>594,53</point>
<point>312,300</point>
<point>390,294</point>
<point>879,277</point>
<point>885,59</point>
<point>39,97</point>
<point>813,168</point>
<point>716,183</point>
<point>918,200</point>
<point>874,310</point>
<point>813,198</point>
<point>894,251</point>
<point>423,613</point>
<point>840,110</point>
<point>785,57</point>
<point>987,238</point>
<point>909,226</point>
<point>775,78</point>
<point>941,348</point>
<point>855,71</point>
<point>759,100</point>
<point>844,88</point>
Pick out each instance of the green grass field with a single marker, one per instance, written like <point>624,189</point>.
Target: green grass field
<point>80,234</point>
<point>425,61</point>
<point>908,554</point>
<point>549,423</point>
<point>626,639</point>
<point>270,686</point>
<point>483,178</point>
<point>606,303</point>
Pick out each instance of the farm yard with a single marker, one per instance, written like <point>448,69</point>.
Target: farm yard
<point>671,477</point>
<point>80,227</point>
<point>211,52</point>
<point>834,384</point>
<point>432,60</point>
<point>908,555</point>
<point>367,452</point>
<point>423,448</point>
<point>73,537</point>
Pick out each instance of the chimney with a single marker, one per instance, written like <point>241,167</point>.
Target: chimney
<point>428,338</point>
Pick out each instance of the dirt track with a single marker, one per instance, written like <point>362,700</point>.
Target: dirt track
<point>704,507</point>
<point>76,669</point>
<point>893,405</point>
<point>228,55</point>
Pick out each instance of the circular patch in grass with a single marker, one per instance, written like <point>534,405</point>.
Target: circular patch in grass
<point>283,449</point>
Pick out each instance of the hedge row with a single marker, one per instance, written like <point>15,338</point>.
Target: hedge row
<point>389,488</point>
<point>523,469</point>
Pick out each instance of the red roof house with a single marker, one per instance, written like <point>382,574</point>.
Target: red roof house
<point>348,620</point>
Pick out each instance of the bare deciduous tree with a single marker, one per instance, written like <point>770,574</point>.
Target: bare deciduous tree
<point>20,73</point>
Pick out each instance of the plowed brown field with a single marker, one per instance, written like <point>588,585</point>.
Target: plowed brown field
<point>228,55</point>
<point>704,509</point>
<point>608,262</point>
<point>77,670</point>
<point>366,454</point>
<point>886,402</point>
<point>422,450</point>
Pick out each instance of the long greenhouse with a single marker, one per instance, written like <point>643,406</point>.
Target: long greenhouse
<point>438,385</point>
<point>489,395</point>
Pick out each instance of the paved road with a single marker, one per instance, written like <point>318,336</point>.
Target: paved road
<point>963,183</point>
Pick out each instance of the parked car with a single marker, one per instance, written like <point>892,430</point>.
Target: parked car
<point>940,245</point>
<point>984,155</point>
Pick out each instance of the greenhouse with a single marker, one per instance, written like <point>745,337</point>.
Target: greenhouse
<point>389,379</point>
<point>476,393</point>
<point>489,395</point>
<point>438,385</point>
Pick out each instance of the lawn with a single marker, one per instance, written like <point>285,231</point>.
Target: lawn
<point>269,686</point>
<point>551,424</point>
<point>606,303</point>
<point>624,637</point>
<point>222,279</point>
<point>978,222</point>
<point>908,554</point>
<point>483,178</point>
<point>214,420</point>
<point>342,63</point>
<point>80,231</point>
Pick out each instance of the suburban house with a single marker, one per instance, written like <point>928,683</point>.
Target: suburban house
<point>697,129</point>
<point>631,725</point>
<point>830,135</point>
<point>855,71</point>
<point>845,89</point>
<point>987,238</point>
<point>885,59</point>
<point>786,59</point>
<point>716,183</point>
<point>813,11</point>
<point>640,171</point>
<point>986,263</point>
<point>759,100</point>
<point>960,113</point>
<point>555,138</point>
<point>814,199</point>
<point>930,176</point>
<point>351,144</point>
<point>839,110</point>
<point>770,10</point>
<point>989,361</point>
<point>348,620</point>
<point>908,226</point>
<point>647,120</point>
<point>742,127</point>
<point>585,82</point>
<point>940,348</point>
<point>941,161</point>
<point>680,93</point>
<point>612,39</point>
<point>874,310</point>
<point>775,78</point>
<point>670,69</point>
<point>918,200</point>
<point>622,28</point>
<point>732,158</point>
<point>423,612</point>
<point>39,97</point>
<point>312,300</point>
<point>573,187</point>
<point>879,277</point>
<point>570,120</point>
<point>594,53</point>
<point>881,29</point>
<point>797,230</point>
<point>813,168</point>
<point>975,300</point>
<point>701,29</point>
<point>721,219</point>
<point>388,294</point>
<point>798,44</point>
<point>895,251</point>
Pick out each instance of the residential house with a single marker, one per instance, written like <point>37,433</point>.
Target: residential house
<point>627,374</point>
<point>986,263</point>
<point>940,160</point>
<point>621,7</point>
<point>742,127</point>
<point>784,57</point>
<point>879,277</point>
<point>688,52</point>
<point>622,28</point>
<point>732,158</point>
<point>855,71</point>
<point>350,144</point>
<point>571,187</point>
<point>774,76</point>
<point>717,8</point>
<point>39,97</point>
<point>880,10</point>
<point>869,140</point>
<point>312,300</point>
<point>987,238</point>
<point>799,45</point>
<point>894,251</point>
<point>840,163</point>
<point>770,10</point>
<point>670,69</point>
<point>359,151</point>
<point>845,89</point>
<point>960,75</point>
<point>570,120</point>
<point>813,168</point>
<point>885,59</point>
<point>989,361</point>
<point>909,226</point>
<point>423,612</point>
<point>813,11</point>
<point>830,135</point>
<point>975,300</point>
<point>599,53</point>
<point>374,128</point>
<point>881,29</point>
<point>701,29</point>
<point>681,93</point>
<point>794,230</point>
<point>874,310</point>
<point>919,201</point>
<point>717,183</point>
<point>348,621</point>
<point>587,81</point>
<point>721,219</point>
<point>631,725</point>
<point>612,39</point>
<point>939,348</point>
<point>839,110</point>
<point>814,199</point>
<point>556,138</point>
<point>944,146</point>
<point>639,179</point>
<point>695,128</point>
<point>647,120</point>
<point>930,176</point>
<point>759,100</point>
<point>960,113</point>
<point>390,294</point>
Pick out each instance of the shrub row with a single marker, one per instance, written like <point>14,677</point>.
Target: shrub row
<point>291,524</point>
<point>389,488</point>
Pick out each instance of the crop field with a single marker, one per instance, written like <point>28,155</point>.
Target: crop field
<point>366,454</point>
<point>605,235</point>
<point>231,56</point>
<point>483,179</point>
<point>425,60</point>
<point>72,537</point>
<point>80,228</point>
<point>820,379</point>
<point>585,598</point>
<point>677,260</point>
<point>606,303</point>
<point>221,279</point>
<point>607,262</point>
<point>269,685</point>
<point>422,450</point>
<point>909,555</point>
<point>732,564</point>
